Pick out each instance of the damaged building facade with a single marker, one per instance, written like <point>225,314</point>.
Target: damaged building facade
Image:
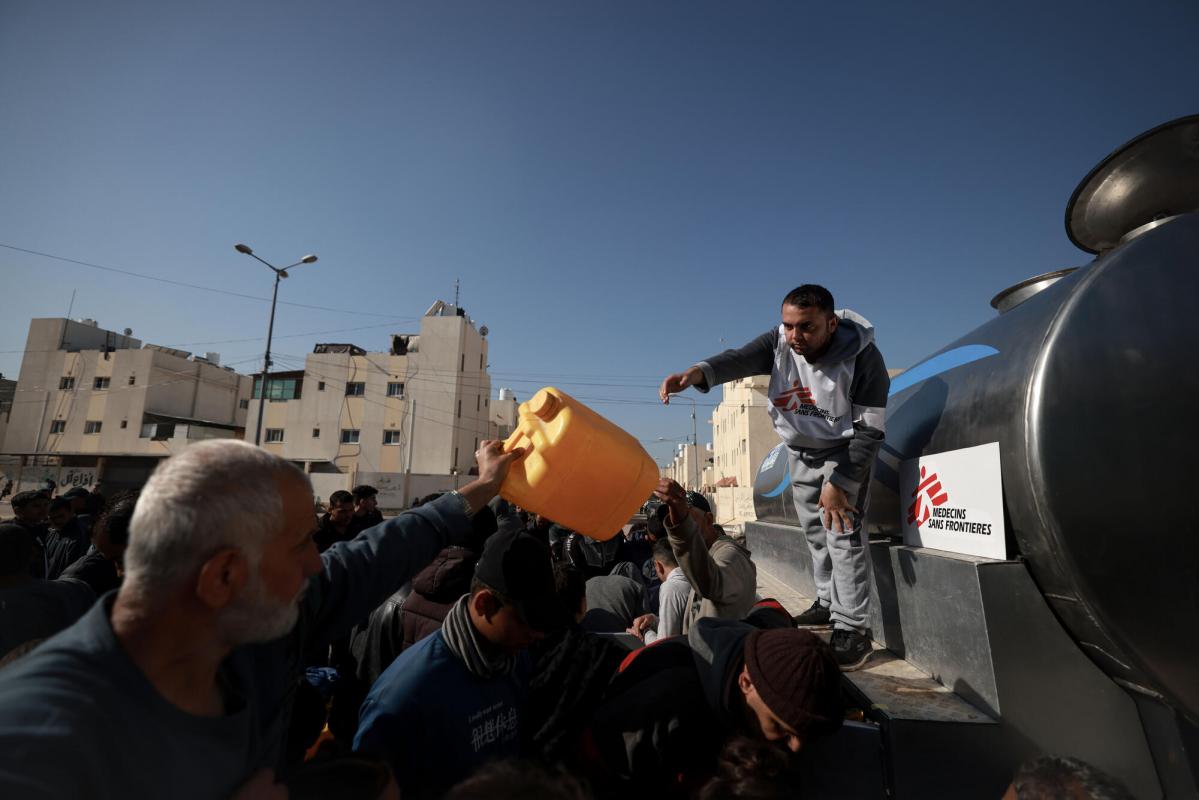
<point>406,420</point>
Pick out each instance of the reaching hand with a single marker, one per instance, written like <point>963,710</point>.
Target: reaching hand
<point>494,462</point>
<point>836,509</point>
<point>673,384</point>
<point>493,468</point>
<point>675,499</point>
<point>642,624</point>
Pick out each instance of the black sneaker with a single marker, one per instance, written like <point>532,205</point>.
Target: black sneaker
<point>815,617</point>
<point>850,649</point>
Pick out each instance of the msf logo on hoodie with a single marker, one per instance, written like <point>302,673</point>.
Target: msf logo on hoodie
<point>795,397</point>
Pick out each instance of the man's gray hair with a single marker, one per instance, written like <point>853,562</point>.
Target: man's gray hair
<point>215,494</point>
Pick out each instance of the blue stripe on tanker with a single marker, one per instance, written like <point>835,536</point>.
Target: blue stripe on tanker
<point>944,362</point>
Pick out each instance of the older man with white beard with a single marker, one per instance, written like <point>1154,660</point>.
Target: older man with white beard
<point>180,684</point>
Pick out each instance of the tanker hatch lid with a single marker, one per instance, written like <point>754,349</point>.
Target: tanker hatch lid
<point>1154,176</point>
<point>1017,293</point>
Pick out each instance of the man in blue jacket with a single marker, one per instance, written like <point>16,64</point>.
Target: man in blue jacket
<point>180,684</point>
<point>828,397</point>
<point>454,700</point>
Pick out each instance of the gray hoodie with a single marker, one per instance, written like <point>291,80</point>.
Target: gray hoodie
<point>723,580</point>
<point>839,401</point>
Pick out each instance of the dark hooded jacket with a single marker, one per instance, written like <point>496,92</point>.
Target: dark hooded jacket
<point>435,590</point>
<point>671,707</point>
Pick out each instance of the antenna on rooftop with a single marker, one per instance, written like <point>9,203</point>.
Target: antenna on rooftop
<point>455,292</point>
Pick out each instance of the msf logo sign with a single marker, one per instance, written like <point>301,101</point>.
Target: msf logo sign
<point>793,398</point>
<point>929,495</point>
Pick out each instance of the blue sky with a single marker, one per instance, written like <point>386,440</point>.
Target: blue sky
<point>619,186</point>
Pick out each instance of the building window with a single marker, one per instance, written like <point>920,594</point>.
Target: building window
<point>316,433</point>
<point>158,431</point>
<point>66,384</point>
<point>132,379</point>
<point>91,426</point>
<point>462,366</point>
<point>478,405</point>
<point>320,386</point>
<point>459,408</point>
<point>349,436</point>
<point>395,390</point>
<point>279,388</point>
<point>480,361</point>
<point>124,423</point>
<point>245,403</point>
<point>58,426</point>
<point>476,444</point>
<point>391,437</point>
<point>355,389</point>
<point>455,458</point>
<point>274,435</point>
<point>101,383</point>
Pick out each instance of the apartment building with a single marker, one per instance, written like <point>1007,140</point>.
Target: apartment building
<point>92,404</point>
<point>691,466</point>
<point>406,420</point>
<point>742,435</point>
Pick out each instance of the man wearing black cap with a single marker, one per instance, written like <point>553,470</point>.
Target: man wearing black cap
<point>723,578</point>
<point>79,499</point>
<point>673,705</point>
<point>454,700</point>
<point>30,510</point>
<point>70,535</point>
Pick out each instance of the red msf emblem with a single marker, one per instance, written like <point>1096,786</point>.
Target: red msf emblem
<point>792,399</point>
<point>929,490</point>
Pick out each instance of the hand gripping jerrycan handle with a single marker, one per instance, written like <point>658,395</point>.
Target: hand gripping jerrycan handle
<point>584,472</point>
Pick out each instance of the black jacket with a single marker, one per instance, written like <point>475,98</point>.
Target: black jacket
<point>672,706</point>
<point>327,535</point>
<point>359,524</point>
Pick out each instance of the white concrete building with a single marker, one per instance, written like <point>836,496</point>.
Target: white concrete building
<point>689,465</point>
<point>504,414</point>
<point>742,435</point>
<point>406,420</point>
<point>94,404</point>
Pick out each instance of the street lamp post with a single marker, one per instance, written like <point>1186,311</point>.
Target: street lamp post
<point>270,330</point>
<point>694,445</point>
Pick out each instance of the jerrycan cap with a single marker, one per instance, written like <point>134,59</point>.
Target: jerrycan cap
<point>544,405</point>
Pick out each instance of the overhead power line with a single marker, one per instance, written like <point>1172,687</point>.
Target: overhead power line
<point>184,284</point>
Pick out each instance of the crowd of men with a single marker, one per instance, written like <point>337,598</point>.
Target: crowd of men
<point>208,637</point>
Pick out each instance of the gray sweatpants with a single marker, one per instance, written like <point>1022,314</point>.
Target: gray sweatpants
<point>839,561</point>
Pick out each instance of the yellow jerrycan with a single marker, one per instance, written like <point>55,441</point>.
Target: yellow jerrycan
<point>584,472</point>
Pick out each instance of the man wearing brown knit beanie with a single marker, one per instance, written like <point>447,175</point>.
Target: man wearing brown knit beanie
<point>792,684</point>
<point>674,704</point>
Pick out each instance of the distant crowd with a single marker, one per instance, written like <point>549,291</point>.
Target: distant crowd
<point>243,647</point>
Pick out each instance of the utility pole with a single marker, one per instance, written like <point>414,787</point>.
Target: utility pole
<point>694,445</point>
<point>411,431</point>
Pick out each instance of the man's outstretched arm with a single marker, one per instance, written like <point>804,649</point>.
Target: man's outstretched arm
<point>754,358</point>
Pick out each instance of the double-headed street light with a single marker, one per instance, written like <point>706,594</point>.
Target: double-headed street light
<point>266,361</point>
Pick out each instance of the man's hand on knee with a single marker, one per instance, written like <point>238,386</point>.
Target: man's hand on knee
<point>836,509</point>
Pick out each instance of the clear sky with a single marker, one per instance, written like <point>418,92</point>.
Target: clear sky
<point>622,188</point>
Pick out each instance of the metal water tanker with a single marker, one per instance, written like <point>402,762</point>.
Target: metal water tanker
<point>1087,379</point>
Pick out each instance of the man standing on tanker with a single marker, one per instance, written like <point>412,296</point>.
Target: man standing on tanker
<point>828,396</point>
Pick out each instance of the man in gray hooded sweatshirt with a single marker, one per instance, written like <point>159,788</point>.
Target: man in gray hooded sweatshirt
<point>828,396</point>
